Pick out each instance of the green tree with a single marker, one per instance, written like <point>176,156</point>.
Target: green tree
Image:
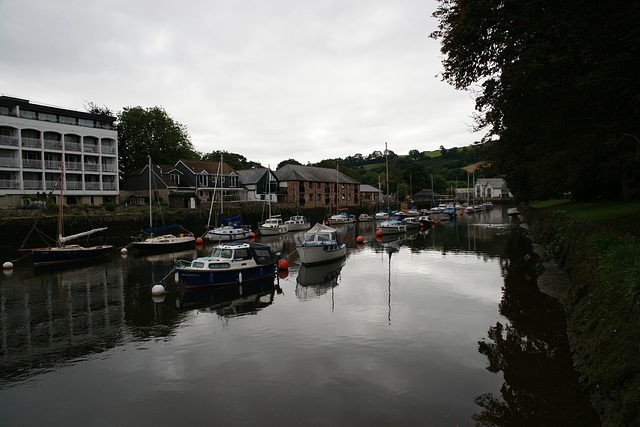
<point>151,132</point>
<point>288,162</point>
<point>557,92</point>
<point>236,161</point>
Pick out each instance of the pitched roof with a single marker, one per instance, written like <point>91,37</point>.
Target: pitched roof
<point>312,173</point>
<point>251,176</point>
<point>365,188</point>
<point>493,182</point>
<point>198,166</point>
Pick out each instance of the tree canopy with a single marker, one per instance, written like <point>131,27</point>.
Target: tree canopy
<point>151,132</point>
<point>236,161</point>
<point>558,92</point>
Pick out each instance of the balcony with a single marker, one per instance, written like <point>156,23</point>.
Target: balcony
<point>74,185</point>
<point>91,148</point>
<point>53,164</point>
<point>31,142</point>
<point>32,184</point>
<point>32,163</point>
<point>109,186</point>
<point>9,184</point>
<point>108,150</point>
<point>91,167</point>
<point>74,166</point>
<point>8,162</point>
<point>51,144</point>
<point>11,141</point>
<point>51,185</point>
<point>92,186</point>
<point>72,146</point>
<point>108,168</point>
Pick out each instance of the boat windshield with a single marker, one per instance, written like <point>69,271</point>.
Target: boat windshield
<point>221,253</point>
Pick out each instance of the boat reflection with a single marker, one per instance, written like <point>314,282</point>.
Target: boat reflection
<point>230,301</point>
<point>317,280</point>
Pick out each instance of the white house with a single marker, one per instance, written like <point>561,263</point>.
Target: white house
<point>492,188</point>
<point>35,141</point>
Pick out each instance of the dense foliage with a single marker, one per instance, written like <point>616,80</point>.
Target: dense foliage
<point>557,90</point>
<point>236,161</point>
<point>151,132</point>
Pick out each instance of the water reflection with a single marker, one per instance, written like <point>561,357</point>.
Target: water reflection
<point>230,301</point>
<point>315,281</point>
<point>532,352</point>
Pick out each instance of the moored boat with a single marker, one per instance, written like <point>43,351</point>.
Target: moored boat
<point>365,217</point>
<point>164,242</point>
<point>342,217</point>
<point>320,244</point>
<point>411,222</point>
<point>63,252</point>
<point>297,223</point>
<point>273,226</point>
<point>228,263</point>
<point>392,226</point>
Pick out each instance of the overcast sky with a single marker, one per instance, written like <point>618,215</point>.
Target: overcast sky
<point>268,79</point>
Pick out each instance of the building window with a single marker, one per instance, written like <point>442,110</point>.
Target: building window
<point>47,117</point>
<point>175,178</point>
<point>26,114</point>
<point>85,122</point>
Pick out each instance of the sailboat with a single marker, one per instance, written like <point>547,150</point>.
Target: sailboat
<point>64,252</point>
<point>273,225</point>
<point>162,242</point>
<point>341,216</point>
<point>230,228</point>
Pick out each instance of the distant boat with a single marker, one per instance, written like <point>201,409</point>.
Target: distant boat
<point>411,222</point>
<point>425,221</point>
<point>392,226</point>
<point>413,211</point>
<point>342,217</point>
<point>513,212</point>
<point>228,263</point>
<point>320,244</point>
<point>297,223</point>
<point>273,226</point>
<point>63,252</point>
<point>229,229</point>
<point>365,217</point>
<point>164,242</point>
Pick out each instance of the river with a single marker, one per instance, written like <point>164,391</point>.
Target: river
<point>443,327</point>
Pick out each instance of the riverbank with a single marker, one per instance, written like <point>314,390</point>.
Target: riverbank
<point>598,248</point>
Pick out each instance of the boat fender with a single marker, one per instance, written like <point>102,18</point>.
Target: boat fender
<point>211,278</point>
<point>261,274</point>
<point>240,276</point>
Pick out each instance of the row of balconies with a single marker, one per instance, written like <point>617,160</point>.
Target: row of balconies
<point>13,141</point>
<point>56,165</point>
<point>15,184</point>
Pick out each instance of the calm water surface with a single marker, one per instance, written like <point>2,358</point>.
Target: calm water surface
<point>444,327</point>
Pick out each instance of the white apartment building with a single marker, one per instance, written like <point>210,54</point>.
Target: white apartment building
<point>35,140</point>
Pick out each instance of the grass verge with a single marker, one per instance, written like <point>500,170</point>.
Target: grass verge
<point>602,261</point>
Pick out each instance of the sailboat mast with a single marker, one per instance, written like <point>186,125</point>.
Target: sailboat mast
<point>60,222</point>
<point>150,197</point>
<point>386,162</point>
<point>221,168</point>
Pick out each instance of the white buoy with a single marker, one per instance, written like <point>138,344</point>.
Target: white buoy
<point>157,290</point>
<point>123,251</point>
<point>7,265</point>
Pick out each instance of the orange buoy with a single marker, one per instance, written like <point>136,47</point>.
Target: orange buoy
<point>283,264</point>
<point>360,239</point>
<point>283,274</point>
<point>199,241</point>
<point>379,233</point>
<point>253,234</point>
<point>360,245</point>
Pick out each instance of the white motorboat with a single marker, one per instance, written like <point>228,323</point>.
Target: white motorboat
<point>365,217</point>
<point>297,223</point>
<point>320,244</point>
<point>411,222</point>
<point>342,218</point>
<point>273,226</point>
<point>393,226</point>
